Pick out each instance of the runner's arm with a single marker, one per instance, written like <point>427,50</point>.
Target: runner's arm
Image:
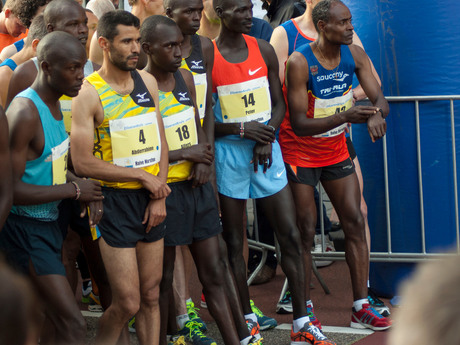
<point>297,95</point>
<point>87,113</point>
<point>6,190</point>
<point>24,124</point>
<point>280,43</point>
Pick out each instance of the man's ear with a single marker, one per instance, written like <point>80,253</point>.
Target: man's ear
<point>103,43</point>
<point>34,45</point>
<point>45,67</point>
<point>168,12</point>
<point>7,13</point>
<point>146,48</point>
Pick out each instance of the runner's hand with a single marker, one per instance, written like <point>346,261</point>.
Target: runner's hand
<point>376,126</point>
<point>155,186</point>
<point>96,210</point>
<point>90,190</point>
<point>155,213</point>
<point>200,174</point>
<point>262,155</point>
<point>259,132</point>
<point>359,114</point>
<point>200,153</point>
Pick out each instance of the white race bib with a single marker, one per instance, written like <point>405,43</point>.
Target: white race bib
<point>247,101</point>
<point>135,141</point>
<point>328,107</point>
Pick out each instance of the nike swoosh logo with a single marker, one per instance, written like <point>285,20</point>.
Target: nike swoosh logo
<point>281,173</point>
<point>255,71</point>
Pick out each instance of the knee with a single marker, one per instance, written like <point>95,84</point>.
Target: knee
<point>151,296</point>
<point>354,227</point>
<point>127,306</point>
<point>234,248</point>
<point>213,274</point>
<point>291,242</point>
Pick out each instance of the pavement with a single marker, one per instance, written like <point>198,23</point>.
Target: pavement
<point>333,310</point>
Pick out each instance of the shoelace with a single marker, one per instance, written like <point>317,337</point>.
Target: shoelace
<point>256,310</point>
<point>191,310</point>
<point>194,328</point>
<point>316,332</point>
<point>374,312</point>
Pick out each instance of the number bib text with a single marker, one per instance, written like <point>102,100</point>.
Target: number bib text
<point>59,156</point>
<point>180,130</point>
<point>329,107</point>
<point>247,101</point>
<point>135,141</point>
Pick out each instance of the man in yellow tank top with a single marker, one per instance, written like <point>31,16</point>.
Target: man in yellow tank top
<point>118,138</point>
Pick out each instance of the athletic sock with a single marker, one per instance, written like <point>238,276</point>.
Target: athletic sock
<point>245,341</point>
<point>309,303</point>
<point>368,284</point>
<point>181,320</point>
<point>358,304</point>
<point>251,317</point>
<point>188,300</point>
<point>299,323</point>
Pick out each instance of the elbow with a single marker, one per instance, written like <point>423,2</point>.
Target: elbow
<point>80,168</point>
<point>296,128</point>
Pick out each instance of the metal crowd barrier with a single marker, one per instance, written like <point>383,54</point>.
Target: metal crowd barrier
<point>390,256</point>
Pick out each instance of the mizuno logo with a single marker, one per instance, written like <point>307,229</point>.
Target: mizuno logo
<point>196,65</point>
<point>255,71</point>
<point>141,98</point>
<point>183,96</point>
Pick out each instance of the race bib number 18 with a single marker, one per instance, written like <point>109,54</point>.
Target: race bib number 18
<point>135,141</point>
<point>247,101</point>
<point>180,130</point>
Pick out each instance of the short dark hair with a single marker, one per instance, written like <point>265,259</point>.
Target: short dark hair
<point>25,10</point>
<point>322,11</point>
<point>151,23</point>
<point>37,30</point>
<point>56,45</point>
<point>107,25</point>
<point>53,11</point>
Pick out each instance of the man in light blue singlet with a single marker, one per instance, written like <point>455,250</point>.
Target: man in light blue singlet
<point>31,238</point>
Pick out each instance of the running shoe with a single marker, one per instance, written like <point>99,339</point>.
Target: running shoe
<point>284,306</point>
<point>193,315</point>
<point>132,325</point>
<point>179,341</point>
<point>203,301</point>
<point>265,322</point>
<point>94,303</point>
<point>377,303</point>
<point>192,333</point>
<point>313,319</point>
<point>86,289</point>
<point>309,335</point>
<point>255,341</point>
<point>254,329</point>
<point>368,317</point>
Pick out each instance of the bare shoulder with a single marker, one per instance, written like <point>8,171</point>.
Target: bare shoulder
<point>188,77</point>
<point>358,53</point>
<point>206,43</point>
<point>150,82</point>
<point>279,37</point>
<point>88,93</point>
<point>297,59</point>
<point>22,113</point>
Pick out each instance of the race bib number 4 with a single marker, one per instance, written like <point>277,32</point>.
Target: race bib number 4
<point>180,130</point>
<point>201,86</point>
<point>247,101</point>
<point>329,107</point>
<point>59,156</point>
<point>135,141</point>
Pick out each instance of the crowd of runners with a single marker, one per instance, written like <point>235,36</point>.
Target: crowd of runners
<point>130,142</point>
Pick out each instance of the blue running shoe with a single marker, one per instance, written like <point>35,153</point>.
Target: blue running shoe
<point>193,315</point>
<point>192,333</point>
<point>265,322</point>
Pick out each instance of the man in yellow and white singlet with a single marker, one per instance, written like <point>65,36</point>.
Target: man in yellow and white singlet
<point>118,138</point>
